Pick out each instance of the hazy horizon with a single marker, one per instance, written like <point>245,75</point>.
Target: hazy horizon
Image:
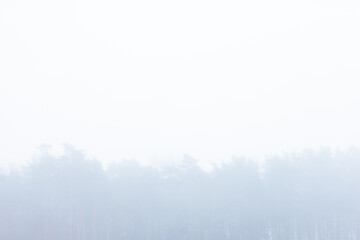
<point>145,80</point>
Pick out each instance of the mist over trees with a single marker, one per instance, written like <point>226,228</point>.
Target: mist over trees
<point>311,195</point>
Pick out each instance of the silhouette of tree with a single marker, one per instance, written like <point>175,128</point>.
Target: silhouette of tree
<point>310,195</point>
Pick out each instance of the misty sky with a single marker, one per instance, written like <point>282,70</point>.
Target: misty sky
<point>156,79</point>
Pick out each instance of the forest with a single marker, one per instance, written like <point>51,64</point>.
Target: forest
<point>306,195</point>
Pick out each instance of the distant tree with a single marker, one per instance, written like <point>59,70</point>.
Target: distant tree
<point>309,195</point>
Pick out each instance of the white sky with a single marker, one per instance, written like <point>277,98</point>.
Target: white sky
<point>157,79</point>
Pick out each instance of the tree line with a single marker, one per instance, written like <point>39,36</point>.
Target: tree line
<point>308,195</point>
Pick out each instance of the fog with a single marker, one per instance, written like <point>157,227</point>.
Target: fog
<point>192,119</point>
<point>310,195</point>
<point>157,80</point>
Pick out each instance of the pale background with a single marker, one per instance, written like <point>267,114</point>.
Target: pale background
<point>154,80</point>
